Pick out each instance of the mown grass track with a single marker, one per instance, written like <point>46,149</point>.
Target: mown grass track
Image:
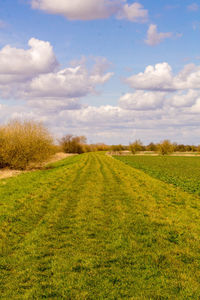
<point>95,228</point>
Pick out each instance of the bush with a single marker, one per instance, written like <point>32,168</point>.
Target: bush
<point>151,147</point>
<point>165,147</point>
<point>73,144</point>
<point>24,143</point>
<point>136,146</point>
<point>117,147</point>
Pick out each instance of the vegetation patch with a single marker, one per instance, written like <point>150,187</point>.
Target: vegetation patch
<point>24,143</point>
<point>92,227</point>
<point>183,172</point>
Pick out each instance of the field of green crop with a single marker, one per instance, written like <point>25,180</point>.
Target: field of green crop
<point>183,172</point>
<point>92,227</point>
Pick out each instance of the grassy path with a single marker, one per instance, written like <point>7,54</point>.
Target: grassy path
<point>95,228</point>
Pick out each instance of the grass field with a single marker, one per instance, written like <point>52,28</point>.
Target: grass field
<point>92,227</point>
<point>183,172</point>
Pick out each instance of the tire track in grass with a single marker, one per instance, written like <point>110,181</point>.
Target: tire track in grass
<point>52,203</point>
<point>66,237</point>
<point>166,236</point>
<point>116,233</point>
<point>37,207</point>
<point>73,259</point>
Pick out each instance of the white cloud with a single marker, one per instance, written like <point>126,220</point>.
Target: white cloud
<point>70,82</point>
<point>196,107</point>
<point>33,75</point>
<point>52,105</point>
<point>193,7</point>
<point>161,78</point>
<point>79,9</point>
<point>113,124</point>
<point>163,105</point>
<point>19,65</point>
<point>134,12</point>
<point>154,37</point>
<point>182,99</point>
<point>158,77</point>
<point>93,9</point>
<point>142,100</point>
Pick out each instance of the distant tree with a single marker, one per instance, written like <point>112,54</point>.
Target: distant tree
<point>73,144</point>
<point>136,146</point>
<point>165,147</point>
<point>179,148</point>
<point>117,147</point>
<point>151,147</point>
<point>101,147</point>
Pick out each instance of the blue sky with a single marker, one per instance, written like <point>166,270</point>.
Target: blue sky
<point>96,54</point>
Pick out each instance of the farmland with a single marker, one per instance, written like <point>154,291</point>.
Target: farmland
<point>183,172</point>
<point>92,227</point>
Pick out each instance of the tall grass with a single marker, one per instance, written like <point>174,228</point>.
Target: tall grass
<point>23,143</point>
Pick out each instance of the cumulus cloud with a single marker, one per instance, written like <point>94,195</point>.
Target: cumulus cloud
<point>160,78</point>
<point>34,75</point>
<point>19,65</point>
<point>160,102</point>
<point>154,37</point>
<point>69,82</point>
<point>78,9</point>
<point>93,9</point>
<point>134,12</point>
<point>184,99</point>
<point>193,7</point>
<point>142,100</point>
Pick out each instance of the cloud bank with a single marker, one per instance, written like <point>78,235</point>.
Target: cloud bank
<point>160,104</point>
<point>35,73</point>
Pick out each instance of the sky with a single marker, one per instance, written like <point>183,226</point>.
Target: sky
<point>112,70</point>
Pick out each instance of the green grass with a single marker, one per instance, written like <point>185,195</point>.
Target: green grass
<point>94,228</point>
<point>183,172</point>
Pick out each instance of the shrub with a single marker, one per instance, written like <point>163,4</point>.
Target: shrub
<point>151,147</point>
<point>117,147</point>
<point>73,144</point>
<point>165,147</point>
<point>23,143</point>
<point>136,146</point>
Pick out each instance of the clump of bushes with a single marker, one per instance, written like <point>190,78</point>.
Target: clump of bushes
<point>73,144</point>
<point>165,147</point>
<point>78,144</point>
<point>24,143</point>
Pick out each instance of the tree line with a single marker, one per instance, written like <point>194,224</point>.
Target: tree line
<point>164,147</point>
<point>24,144</point>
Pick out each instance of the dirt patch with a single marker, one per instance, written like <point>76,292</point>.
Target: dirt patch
<point>6,173</point>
